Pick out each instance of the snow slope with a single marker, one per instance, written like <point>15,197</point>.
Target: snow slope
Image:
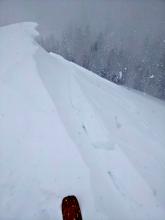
<point>64,130</point>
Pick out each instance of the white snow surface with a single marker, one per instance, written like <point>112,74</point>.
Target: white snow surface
<point>64,131</point>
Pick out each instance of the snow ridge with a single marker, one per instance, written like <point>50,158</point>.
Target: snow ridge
<point>64,130</point>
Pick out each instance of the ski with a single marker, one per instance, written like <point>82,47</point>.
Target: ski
<point>71,209</point>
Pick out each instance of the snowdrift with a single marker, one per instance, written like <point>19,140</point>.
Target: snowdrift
<point>64,130</point>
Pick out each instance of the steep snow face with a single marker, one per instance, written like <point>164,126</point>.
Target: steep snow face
<point>64,130</point>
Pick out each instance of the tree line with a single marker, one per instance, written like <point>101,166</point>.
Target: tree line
<point>144,71</point>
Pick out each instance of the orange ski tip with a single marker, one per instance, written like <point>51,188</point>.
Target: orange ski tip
<point>71,209</point>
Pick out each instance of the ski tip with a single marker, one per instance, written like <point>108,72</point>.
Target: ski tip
<point>71,209</point>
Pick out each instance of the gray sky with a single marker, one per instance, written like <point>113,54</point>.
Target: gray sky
<point>129,20</point>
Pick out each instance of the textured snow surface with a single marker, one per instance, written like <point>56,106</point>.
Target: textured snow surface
<point>64,130</point>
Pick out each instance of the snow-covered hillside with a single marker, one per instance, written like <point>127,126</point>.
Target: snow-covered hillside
<point>64,130</point>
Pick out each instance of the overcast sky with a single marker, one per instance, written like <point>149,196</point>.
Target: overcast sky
<point>129,20</point>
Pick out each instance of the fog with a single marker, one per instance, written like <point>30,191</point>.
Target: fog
<point>127,25</point>
<point>122,17</point>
